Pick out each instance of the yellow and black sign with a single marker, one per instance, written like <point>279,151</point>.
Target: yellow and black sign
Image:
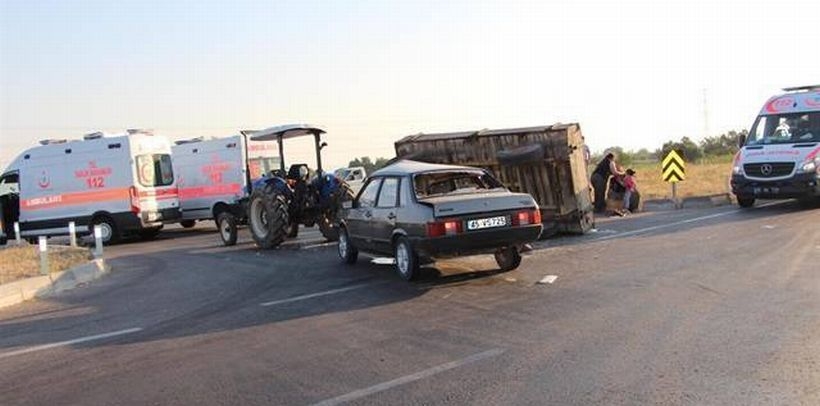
<point>673,167</point>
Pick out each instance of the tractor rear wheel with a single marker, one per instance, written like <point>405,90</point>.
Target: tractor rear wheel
<point>268,217</point>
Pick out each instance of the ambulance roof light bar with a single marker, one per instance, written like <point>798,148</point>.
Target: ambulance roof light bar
<point>53,141</point>
<point>801,88</point>
<point>93,136</point>
<point>143,131</point>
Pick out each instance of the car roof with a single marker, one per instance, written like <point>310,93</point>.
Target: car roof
<point>408,167</point>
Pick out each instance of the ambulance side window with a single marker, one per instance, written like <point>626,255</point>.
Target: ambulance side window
<point>155,170</point>
<point>9,184</point>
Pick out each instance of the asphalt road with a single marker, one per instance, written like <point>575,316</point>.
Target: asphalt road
<point>696,307</point>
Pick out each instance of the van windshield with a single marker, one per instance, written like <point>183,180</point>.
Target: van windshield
<point>786,129</point>
<point>155,170</point>
<point>452,182</point>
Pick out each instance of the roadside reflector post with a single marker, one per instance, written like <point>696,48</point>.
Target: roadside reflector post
<point>43,255</point>
<point>673,170</point>
<point>98,245</point>
<point>17,233</point>
<point>72,233</point>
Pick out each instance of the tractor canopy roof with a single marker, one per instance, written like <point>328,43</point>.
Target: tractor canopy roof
<point>285,131</point>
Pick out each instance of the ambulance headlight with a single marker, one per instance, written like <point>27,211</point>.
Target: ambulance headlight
<point>737,170</point>
<point>809,166</point>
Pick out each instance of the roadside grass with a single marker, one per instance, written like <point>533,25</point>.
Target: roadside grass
<point>24,261</point>
<point>708,177</point>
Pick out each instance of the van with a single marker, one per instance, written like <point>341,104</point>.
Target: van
<point>215,176</point>
<point>123,183</point>
<point>780,158</point>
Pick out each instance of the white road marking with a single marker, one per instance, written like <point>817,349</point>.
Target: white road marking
<point>69,342</point>
<point>317,294</point>
<point>320,245</point>
<point>549,279</point>
<point>358,394</point>
<point>678,223</point>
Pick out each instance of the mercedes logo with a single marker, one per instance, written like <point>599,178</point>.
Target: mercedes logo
<point>766,169</point>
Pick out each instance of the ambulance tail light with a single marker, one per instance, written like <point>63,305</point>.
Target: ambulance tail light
<point>135,199</point>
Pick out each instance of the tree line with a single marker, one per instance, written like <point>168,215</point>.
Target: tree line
<point>691,151</point>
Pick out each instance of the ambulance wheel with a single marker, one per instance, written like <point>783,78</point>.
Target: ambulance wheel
<point>293,230</point>
<point>268,217</point>
<point>745,202</point>
<point>109,232</point>
<point>187,223</point>
<point>226,224</point>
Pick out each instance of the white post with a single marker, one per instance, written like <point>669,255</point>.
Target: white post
<point>72,233</point>
<point>98,245</point>
<point>43,255</point>
<point>17,232</point>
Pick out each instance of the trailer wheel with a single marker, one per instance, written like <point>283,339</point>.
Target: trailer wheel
<point>226,224</point>
<point>293,230</point>
<point>187,223</point>
<point>508,258</point>
<point>268,217</point>
<point>109,232</point>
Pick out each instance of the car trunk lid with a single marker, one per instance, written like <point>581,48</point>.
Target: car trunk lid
<point>455,205</point>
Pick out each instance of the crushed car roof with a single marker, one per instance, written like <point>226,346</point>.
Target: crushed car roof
<point>406,167</point>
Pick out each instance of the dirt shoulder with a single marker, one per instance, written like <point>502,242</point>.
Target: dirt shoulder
<point>24,261</point>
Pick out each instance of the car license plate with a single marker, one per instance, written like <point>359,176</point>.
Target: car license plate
<point>490,222</point>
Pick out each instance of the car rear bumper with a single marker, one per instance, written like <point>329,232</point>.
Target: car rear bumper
<point>801,185</point>
<point>476,242</point>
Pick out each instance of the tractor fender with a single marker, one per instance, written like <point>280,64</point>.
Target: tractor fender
<point>279,184</point>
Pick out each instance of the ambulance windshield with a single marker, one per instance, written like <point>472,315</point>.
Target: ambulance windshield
<point>155,170</point>
<point>786,129</point>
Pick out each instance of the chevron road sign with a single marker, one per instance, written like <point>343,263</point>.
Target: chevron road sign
<point>673,167</point>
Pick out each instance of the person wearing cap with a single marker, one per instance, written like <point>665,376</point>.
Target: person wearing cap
<point>631,187</point>
<point>600,177</point>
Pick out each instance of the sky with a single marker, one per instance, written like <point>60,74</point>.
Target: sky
<point>633,73</point>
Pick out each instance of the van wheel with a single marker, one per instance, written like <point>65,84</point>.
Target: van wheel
<point>508,258</point>
<point>226,224</point>
<point>745,202</point>
<point>187,223</point>
<point>109,232</point>
<point>407,260</point>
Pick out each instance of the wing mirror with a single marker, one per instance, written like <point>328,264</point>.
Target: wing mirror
<point>741,140</point>
<point>322,145</point>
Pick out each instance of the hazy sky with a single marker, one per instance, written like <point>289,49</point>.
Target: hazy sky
<point>633,73</point>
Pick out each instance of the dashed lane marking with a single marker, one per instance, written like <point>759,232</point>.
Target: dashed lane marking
<point>69,342</point>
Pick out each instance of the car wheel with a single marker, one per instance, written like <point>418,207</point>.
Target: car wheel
<point>407,260</point>
<point>745,202</point>
<point>508,258</point>
<point>226,223</point>
<point>187,223</point>
<point>108,229</point>
<point>347,252</point>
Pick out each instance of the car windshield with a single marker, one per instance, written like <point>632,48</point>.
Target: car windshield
<point>786,129</point>
<point>453,182</point>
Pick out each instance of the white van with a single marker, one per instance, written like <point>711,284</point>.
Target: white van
<point>781,156</point>
<point>214,175</point>
<point>124,183</point>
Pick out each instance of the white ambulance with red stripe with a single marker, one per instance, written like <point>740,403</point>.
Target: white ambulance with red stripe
<point>124,183</point>
<point>214,175</point>
<point>780,158</point>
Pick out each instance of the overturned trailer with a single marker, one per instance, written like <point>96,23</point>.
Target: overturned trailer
<point>548,162</point>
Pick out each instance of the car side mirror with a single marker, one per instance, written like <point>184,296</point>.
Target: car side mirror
<point>741,140</point>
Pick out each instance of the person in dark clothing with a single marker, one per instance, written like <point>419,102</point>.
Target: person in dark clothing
<point>600,177</point>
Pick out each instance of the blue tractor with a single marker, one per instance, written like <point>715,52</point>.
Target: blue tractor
<point>284,199</point>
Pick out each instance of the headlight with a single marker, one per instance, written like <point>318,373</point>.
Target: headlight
<point>810,166</point>
<point>737,170</point>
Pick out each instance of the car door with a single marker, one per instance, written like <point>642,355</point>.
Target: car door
<point>360,216</point>
<point>384,214</point>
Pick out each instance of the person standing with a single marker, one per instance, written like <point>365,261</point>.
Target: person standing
<point>600,177</point>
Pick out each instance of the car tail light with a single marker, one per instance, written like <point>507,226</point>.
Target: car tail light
<point>526,217</point>
<point>444,227</point>
<point>135,199</point>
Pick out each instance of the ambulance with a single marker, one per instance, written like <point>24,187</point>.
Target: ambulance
<point>215,176</point>
<point>123,183</point>
<point>780,158</point>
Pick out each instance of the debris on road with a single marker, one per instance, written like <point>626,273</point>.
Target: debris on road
<point>549,279</point>
<point>383,261</point>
